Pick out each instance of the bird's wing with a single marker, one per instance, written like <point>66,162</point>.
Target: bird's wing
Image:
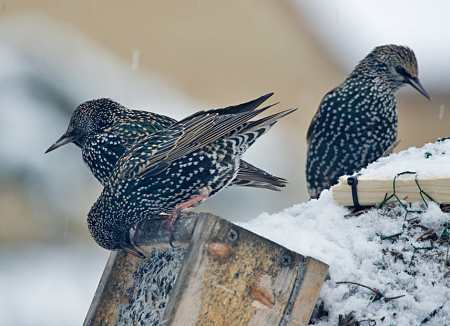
<point>156,152</point>
<point>150,120</point>
<point>135,127</point>
<point>317,115</point>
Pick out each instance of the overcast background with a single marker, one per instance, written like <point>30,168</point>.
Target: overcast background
<point>173,58</point>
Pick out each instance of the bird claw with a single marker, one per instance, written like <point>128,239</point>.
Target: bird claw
<point>136,252</point>
<point>135,249</point>
<point>170,224</point>
<point>171,241</point>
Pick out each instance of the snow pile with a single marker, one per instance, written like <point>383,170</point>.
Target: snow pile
<point>431,160</point>
<point>361,248</point>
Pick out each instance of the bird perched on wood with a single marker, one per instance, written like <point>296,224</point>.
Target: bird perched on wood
<point>357,121</point>
<point>174,169</point>
<point>104,130</point>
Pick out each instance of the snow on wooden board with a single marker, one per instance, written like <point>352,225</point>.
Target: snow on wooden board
<point>428,167</point>
<point>380,248</point>
<point>429,161</point>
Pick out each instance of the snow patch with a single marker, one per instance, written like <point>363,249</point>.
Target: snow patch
<point>352,245</point>
<point>431,160</point>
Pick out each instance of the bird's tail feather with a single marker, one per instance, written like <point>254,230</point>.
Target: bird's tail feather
<point>250,131</point>
<point>251,176</point>
<point>229,110</point>
<point>269,120</point>
<point>244,107</point>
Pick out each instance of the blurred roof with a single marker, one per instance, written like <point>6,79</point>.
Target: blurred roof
<point>349,29</point>
<point>214,51</point>
<point>169,56</point>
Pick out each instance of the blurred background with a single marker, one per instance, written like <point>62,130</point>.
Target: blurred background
<point>173,57</point>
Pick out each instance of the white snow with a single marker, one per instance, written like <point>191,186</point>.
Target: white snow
<point>353,248</point>
<point>431,160</point>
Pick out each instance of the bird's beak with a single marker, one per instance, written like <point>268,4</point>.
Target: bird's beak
<point>63,140</point>
<point>414,82</point>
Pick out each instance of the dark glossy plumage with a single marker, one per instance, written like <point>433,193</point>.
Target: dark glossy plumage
<point>198,154</point>
<point>357,122</point>
<point>104,130</point>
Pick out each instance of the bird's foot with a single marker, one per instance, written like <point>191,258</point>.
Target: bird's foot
<point>136,253</point>
<point>195,200</point>
<point>170,225</point>
<point>135,249</point>
<point>192,202</point>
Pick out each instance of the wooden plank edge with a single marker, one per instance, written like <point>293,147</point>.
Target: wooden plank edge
<point>99,292</point>
<point>174,310</point>
<point>372,191</point>
<point>308,291</point>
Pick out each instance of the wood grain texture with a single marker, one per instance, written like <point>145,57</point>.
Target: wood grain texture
<point>228,276</point>
<point>372,192</point>
<point>111,292</point>
<point>313,278</point>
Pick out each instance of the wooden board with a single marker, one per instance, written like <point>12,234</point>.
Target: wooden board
<point>372,192</point>
<point>221,274</point>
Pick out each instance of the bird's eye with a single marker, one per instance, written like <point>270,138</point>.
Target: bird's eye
<point>101,122</point>
<point>402,71</point>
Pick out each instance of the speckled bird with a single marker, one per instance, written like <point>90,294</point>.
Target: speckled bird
<point>174,169</point>
<point>105,130</point>
<point>357,121</point>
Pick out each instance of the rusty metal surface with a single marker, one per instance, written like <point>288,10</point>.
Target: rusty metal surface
<point>221,274</point>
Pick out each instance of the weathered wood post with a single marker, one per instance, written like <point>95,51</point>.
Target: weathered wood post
<point>219,274</point>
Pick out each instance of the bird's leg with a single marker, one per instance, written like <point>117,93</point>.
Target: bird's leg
<point>135,253</point>
<point>135,249</point>
<point>191,202</point>
<point>172,219</point>
<point>195,200</point>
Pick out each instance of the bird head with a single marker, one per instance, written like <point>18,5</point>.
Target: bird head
<point>394,65</point>
<point>89,118</point>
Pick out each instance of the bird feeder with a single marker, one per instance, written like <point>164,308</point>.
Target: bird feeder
<point>370,192</point>
<point>218,274</point>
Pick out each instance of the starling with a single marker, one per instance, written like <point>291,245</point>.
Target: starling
<point>357,121</point>
<point>173,169</point>
<point>104,130</point>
